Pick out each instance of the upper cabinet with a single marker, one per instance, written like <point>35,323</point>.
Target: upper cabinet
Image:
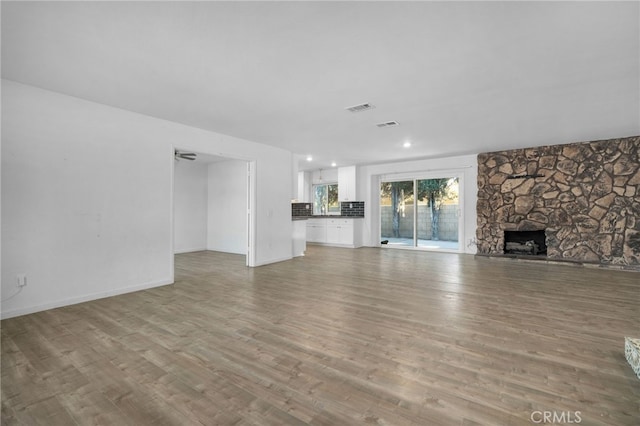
<point>347,183</point>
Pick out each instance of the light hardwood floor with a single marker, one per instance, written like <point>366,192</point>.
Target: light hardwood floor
<point>338,337</point>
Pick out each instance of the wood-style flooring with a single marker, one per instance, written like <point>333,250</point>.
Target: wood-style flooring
<point>338,337</point>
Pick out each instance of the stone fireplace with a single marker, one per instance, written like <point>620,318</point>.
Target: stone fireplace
<point>584,196</point>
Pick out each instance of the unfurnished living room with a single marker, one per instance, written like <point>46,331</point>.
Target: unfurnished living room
<point>320,213</point>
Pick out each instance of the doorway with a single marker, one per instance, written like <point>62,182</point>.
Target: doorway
<point>421,213</point>
<point>213,204</point>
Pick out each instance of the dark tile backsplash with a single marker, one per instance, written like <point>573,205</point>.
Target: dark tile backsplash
<point>352,208</point>
<point>301,209</point>
<point>347,208</point>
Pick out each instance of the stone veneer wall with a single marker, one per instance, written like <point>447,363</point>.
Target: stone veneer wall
<point>588,199</point>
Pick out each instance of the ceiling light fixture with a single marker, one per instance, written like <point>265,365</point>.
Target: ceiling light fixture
<point>407,144</point>
<point>309,158</point>
<point>333,164</point>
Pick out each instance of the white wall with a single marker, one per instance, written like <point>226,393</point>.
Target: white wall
<point>368,178</point>
<point>227,206</point>
<point>324,176</point>
<point>87,197</point>
<point>190,206</point>
<point>304,187</point>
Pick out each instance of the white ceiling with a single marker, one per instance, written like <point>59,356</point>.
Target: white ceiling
<point>459,77</point>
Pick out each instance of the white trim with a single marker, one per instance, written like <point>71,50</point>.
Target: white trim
<point>270,261</point>
<point>191,250</point>
<point>336,245</point>
<point>82,299</point>
<point>251,212</point>
<point>172,243</point>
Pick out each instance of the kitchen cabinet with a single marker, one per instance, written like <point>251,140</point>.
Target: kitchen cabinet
<point>316,231</point>
<point>347,183</point>
<point>339,231</point>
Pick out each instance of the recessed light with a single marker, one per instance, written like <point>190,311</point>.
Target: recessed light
<point>309,158</point>
<point>407,144</point>
<point>333,164</point>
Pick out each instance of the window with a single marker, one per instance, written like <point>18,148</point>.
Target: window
<point>325,199</point>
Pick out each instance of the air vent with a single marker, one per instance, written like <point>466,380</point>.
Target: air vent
<point>360,108</point>
<point>388,124</point>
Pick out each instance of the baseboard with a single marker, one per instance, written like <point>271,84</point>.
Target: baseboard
<point>191,250</point>
<point>82,299</point>
<point>226,250</point>
<point>336,245</point>
<point>270,261</point>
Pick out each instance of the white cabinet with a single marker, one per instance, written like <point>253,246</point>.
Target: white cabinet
<point>338,231</point>
<point>316,231</point>
<point>347,183</point>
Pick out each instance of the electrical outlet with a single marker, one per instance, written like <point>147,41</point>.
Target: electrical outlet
<point>21,280</point>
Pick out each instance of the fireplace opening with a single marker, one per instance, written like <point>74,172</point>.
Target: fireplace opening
<point>530,243</point>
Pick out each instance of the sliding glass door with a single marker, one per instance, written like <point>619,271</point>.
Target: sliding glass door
<point>420,213</point>
<point>396,210</point>
<point>437,213</point>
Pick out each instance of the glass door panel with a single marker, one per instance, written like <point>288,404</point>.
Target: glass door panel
<point>397,213</point>
<point>437,216</point>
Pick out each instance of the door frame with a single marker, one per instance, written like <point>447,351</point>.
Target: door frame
<point>250,254</point>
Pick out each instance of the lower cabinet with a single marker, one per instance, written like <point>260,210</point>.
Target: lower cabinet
<point>316,231</point>
<point>339,231</point>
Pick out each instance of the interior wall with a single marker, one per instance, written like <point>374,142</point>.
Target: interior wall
<point>304,187</point>
<point>87,197</point>
<point>227,207</point>
<point>190,206</point>
<point>368,180</point>
<point>324,176</point>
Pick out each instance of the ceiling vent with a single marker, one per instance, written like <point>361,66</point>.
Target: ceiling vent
<point>360,108</point>
<point>388,124</point>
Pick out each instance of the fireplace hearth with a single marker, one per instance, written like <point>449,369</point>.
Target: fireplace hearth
<point>529,243</point>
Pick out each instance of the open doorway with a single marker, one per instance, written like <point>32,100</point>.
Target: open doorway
<point>212,204</point>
